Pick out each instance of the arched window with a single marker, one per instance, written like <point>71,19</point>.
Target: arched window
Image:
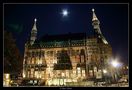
<point>82,56</point>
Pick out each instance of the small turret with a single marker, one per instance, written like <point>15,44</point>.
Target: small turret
<point>96,26</point>
<point>33,33</point>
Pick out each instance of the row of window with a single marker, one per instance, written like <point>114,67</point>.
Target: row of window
<point>35,53</point>
<point>35,74</point>
<point>35,61</point>
<point>63,44</point>
<point>79,72</point>
<point>42,74</point>
<point>60,44</point>
<point>50,53</point>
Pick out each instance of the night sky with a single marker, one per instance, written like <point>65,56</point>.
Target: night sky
<point>19,19</point>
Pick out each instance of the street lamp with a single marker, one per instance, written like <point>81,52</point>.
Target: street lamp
<point>115,64</point>
<point>105,75</point>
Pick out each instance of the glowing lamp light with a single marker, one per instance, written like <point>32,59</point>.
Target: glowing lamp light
<point>115,63</point>
<point>7,76</point>
<point>127,67</point>
<point>105,71</point>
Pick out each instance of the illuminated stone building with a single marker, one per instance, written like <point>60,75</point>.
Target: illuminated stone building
<point>60,59</point>
<point>6,80</point>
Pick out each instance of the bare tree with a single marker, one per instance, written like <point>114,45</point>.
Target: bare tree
<point>12,58</point>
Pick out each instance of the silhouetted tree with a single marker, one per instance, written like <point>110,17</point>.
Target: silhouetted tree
<point>12,58</point>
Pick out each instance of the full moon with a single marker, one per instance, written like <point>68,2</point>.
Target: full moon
<point>65,12</point>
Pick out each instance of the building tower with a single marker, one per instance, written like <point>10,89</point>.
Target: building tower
<point>96,26</point>
<point>33,33</point>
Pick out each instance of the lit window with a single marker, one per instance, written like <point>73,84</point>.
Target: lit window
<point>74,71</point>
<point>35,81</point>
<point>24,75</point>
<point>32,70</point>
<point>63,74</point>
<point>67,73</point>
<point>95,69</point>
<point>79,71</point>
<point>33,61</point>
<point>28,61</point>
<point>83,72</point>
<point>61,81</point>
<point>91,72</point>
<point>99,71</point>
<point>36,74</point>
<point>31,81</point>
<point>7,76</point>
<point>54,61</point>
<point>82,58</point>
<point>40,75</point>
<point>28,73</point>
<point>40,61</point>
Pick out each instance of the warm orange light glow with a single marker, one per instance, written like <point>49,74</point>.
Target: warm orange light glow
<point>24,75</point>
<point>7,76</point>
<point>6,79</point>
<point>104,71</point>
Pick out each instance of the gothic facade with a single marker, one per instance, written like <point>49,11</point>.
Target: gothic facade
<point>61,59</point>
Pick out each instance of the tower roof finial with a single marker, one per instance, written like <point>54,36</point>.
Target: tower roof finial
<point>34,26</point>
<point>94,15</point>
<point>35,19</point>
<point>93,9</point>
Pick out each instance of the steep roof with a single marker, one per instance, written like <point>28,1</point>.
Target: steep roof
<point>63,37</point>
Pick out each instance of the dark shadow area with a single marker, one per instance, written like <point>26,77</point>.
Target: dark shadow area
<point>63,62</point>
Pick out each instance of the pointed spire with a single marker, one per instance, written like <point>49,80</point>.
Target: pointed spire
<point>33,33</point>
<point>96,26</point>
<point>34,26</point>
<point>94,15</point>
